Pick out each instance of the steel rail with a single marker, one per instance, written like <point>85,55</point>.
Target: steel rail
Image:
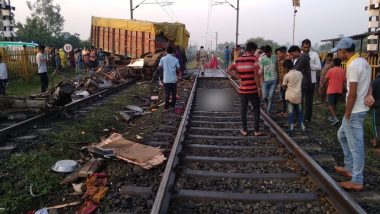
<point>18,127</point>
<point>163,196</point>
<point>339,198</point>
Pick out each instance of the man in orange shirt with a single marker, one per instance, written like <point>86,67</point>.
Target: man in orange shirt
<point>335,78</point>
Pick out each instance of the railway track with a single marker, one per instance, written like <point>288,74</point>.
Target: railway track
<point>16,129</point>
<point>213,169</point>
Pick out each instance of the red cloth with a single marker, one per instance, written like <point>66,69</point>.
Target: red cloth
<point>246,67</point>
<point>213,62</point>
<point>336,77</point>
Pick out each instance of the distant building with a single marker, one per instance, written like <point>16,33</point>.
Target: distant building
<point>7,24</point>
<point>373,24</point>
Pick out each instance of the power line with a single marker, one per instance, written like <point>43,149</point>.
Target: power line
<point>208,18</point>
<point>162,7</point>
<point>171,10</point>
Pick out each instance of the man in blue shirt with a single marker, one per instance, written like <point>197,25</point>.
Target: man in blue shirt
<point>227,54</point>
<point>170,65</point>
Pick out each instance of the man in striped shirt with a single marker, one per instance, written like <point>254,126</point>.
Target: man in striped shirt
<point>246,68</point>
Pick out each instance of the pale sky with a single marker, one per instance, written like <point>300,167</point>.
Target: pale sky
<point>270,19</point>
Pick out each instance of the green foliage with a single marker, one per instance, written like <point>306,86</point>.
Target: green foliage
<point>34,30</point>
<point>45,26</point>
<point>49,13</point>
<point>261,42</point>
<point>85,43</point>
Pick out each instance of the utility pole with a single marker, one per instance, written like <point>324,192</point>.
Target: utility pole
<point>237,23</point>
<point>131,7</point>
<point>296,3</point>
<point>216,43</point>
<point>237,8</point>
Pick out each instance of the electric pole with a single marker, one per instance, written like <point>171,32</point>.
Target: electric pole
<point>216,43</point>
<point>131,7</point>
<point>237,23</point>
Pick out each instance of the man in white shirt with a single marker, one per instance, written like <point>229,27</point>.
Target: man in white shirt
<point>42,69</point>
<point>3,77</point>
<point>350,134</point>
<point>203,56</point>
<point>315,67</point>
<point>170,65</point>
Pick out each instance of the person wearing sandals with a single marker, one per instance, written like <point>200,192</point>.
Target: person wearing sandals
<point>292,83</point>
<point>246,68</point>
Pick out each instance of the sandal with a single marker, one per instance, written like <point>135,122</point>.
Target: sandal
<point>244,133</point>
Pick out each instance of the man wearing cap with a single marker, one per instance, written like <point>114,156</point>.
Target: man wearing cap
<point>350,134</point>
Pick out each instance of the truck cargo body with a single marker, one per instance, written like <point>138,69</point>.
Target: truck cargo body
<point>134,38</point>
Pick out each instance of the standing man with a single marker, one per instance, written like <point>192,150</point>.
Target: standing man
<point>3,77</point>
<point>170,65</point>
<point>101,57</point>
<point>315,61</point>
<point>302,63</point>
<point>42,69</point>
<point>247,69</point>
<point>269,73</point>
<point>350,133</point>
<point>227,54</point>
<point>203,57</point>
<point>281,57</point>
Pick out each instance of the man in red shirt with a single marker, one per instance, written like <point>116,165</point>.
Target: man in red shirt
<point>246,68</point>
<point>335,78</point>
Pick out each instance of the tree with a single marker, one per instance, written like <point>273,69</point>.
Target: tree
<point>34,31</point>
<point>261,42</point>
<point>45,26</point>
<point>49,14</point>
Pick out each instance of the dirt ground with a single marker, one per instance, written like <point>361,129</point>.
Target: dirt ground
<point>26,179</point>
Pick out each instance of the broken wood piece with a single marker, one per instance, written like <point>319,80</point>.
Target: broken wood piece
<point>126,117</point>
<point>7,102</point>
<point>104,152</point>
<point>64,205</point>
<point>72,177</point>
<point>90,167</point>
<point>130,191</point>
<point>145,156</point>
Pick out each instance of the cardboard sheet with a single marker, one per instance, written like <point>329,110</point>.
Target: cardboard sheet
<point>145,156</point>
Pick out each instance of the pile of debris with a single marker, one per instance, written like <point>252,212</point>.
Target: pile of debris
<point>117,71</point>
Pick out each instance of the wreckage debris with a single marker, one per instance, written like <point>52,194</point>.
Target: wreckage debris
<point>65,166</point>
<point>135,108</point>
<point>77,88</point>
<point>96,189</point>
<point>145,156</point>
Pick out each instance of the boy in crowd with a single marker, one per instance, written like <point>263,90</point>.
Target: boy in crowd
<point>281,57</point>
<point>302,64</point>
<point>292,83</point>
<point>335,78</point>
<point>3,77</point>
<point>269,73</point>
<point>326,65</point>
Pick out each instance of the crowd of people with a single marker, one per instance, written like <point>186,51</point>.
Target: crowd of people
<point>296,73</point>
<point>78,59</point>
<point>86,60</point>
